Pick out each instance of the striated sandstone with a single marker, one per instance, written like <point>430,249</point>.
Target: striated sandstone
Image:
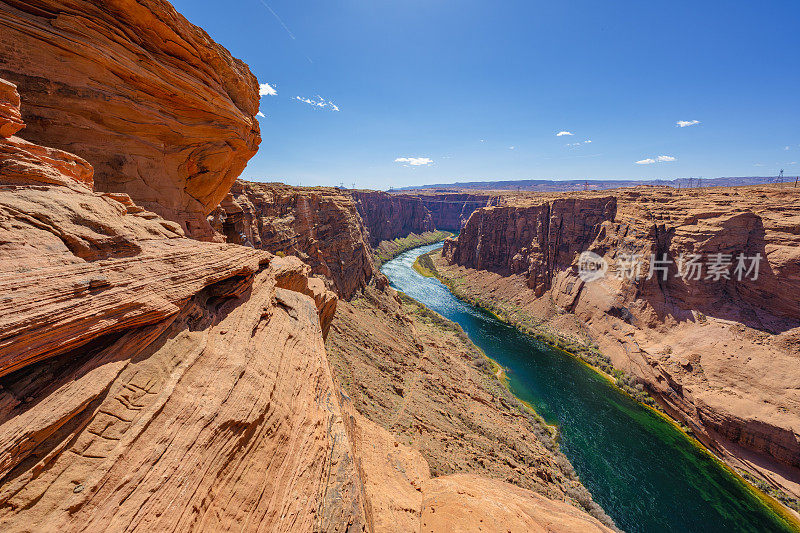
<point>463,503</point>
<point>161,111</point>
<point>720,355</point>
<point>320,225</point>
<point>149,382</point>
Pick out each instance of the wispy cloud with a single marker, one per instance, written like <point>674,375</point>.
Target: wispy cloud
<point>265,89</point>
<point>318,102</point>
<point>512,147</point>
<point>562,133</point>
<point>787,147</point>
<point>260,114</point>
<point>579,143</point>
<point>685,123</point>
<point>659,159</point>
<point>414,161</point>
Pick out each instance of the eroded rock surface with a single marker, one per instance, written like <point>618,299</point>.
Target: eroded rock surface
<point>161,111</point>
<point>151,382</point>
<point>721,354</point>
<point>320,225</point>
<point>419,377</point>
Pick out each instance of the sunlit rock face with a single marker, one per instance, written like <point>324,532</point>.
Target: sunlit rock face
<point>161,111</point>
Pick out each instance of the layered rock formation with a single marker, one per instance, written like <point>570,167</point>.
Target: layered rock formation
<point>534,241</point>
<point>161,111</point>
<point>318,224</point>
<point>450,211</point>
<point>388,216</point>
<point>721,354</point>
<point>151,382</point>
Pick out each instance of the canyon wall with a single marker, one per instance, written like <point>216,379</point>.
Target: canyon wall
<point>389,216</point>
<point>720,354</point>
<point>533,241</point>
<point>161,111</point>
<point>320,225</point>
<point>152,382</point>
<point>450,211</point>
<point>127,348</point>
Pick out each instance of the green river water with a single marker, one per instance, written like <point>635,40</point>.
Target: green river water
<point>647,475</point>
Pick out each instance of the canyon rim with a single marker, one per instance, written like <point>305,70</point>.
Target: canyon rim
<point>186,348</point>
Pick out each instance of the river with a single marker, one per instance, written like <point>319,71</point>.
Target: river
<point>647,475</point>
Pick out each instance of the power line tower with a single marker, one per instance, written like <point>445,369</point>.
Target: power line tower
<point>585,185</point>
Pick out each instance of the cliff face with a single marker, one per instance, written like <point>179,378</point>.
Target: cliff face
<point>719,353</point>
<point>151,382</point>
<point>533,241</point>
<point>450,211</point>
<point>162,112</point>
<point>389,216</point>
<point>320,225</point>
<point>154,382</point>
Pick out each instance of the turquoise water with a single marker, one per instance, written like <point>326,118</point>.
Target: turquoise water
<point>645,473</point>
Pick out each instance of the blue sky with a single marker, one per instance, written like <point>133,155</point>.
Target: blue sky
<point>478,90</point>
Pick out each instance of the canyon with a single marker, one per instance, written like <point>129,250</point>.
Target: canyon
<point>720,355</point>
<point>181,349</point>
<point>152,380</point>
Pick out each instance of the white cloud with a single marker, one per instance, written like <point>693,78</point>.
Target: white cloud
<point>665,158</point>
<point>414,161</point>
<point>659,159</point>
<point>787,148</point>
<point>685,123</point>
<point>265,89</point>
<point>562,133</point>
<point>793,163</point>
<point>647,161</point>
<point>759,165</point>
<point>260,114</point>
<point>512,147</point>
<point>317,101</point>
<point>579,143</point>
<point>483,140</point>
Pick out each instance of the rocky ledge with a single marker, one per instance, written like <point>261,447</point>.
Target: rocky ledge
<point>320,225</point>
<point>162,112</point>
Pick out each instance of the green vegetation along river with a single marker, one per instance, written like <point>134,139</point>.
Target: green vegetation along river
<point>645,473</point>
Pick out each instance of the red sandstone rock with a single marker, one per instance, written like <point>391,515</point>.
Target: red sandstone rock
<point>721,355</point>
<point>463,503</point>
<point>388,216</point>
<point>152,382</point>
<point>10,118</point>
<point>161,111</point>
<point>318,224</point>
